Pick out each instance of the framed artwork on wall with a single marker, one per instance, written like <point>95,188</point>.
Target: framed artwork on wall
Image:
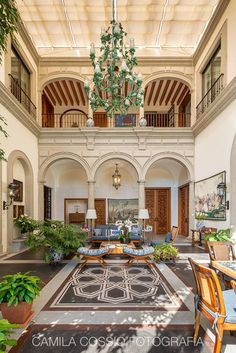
<point>21,210</point>
<point>122,209</point>
<point>209,204</point>
<point>18,197</point>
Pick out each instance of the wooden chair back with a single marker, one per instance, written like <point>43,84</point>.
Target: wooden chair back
<point>233,284</point>
<point>221,250</point>
<point>208,288</point>
<point>174,233</point>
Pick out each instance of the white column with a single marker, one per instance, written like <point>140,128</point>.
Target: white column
<point>41,199</point>
<point>191,207</point>
<point>193,107</point>
<point>91,202</point>
<point>141,194</point>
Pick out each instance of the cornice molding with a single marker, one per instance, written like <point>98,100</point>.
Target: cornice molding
<point>227,96</point>
<point>214,21</point>
<point>114,135</point>
<point>28,41</point>
<point>142,61</point>
<point>13,106</point>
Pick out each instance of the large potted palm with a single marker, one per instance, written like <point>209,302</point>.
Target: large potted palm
<point>57,240</point>
<point>17,293</point>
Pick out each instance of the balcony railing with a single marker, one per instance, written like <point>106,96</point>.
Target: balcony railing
<point>210,96</point>
<point>22,97</point>
<point>154,119</point>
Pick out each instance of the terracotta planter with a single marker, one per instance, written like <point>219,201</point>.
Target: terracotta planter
<point>19,314</point>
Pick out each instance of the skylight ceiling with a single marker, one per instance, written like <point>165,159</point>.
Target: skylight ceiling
<point>159,27</point>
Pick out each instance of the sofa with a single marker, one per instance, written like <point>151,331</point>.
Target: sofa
<point>105,232</point>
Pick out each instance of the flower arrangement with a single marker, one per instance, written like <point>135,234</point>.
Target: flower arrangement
<point>25,223</point>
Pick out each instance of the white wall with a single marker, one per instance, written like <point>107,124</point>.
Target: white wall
<point>212,152</point>
<point>18,174</point>
<point>20,138</point>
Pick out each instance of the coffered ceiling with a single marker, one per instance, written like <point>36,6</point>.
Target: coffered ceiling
<point>159,27</point>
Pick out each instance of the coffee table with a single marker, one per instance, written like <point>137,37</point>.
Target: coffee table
<point>116,248</point>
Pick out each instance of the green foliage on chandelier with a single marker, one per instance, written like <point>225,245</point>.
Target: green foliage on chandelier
<point>113,74</point>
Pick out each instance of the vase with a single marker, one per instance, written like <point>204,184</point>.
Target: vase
<point>55,256</point>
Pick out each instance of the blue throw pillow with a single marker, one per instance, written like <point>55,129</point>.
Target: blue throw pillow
<point>115,232</point>
<point>168,238</point>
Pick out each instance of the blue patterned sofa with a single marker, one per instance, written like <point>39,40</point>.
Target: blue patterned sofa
<point>111,232</point>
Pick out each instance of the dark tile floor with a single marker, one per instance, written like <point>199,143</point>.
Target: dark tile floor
<point>44,271</point>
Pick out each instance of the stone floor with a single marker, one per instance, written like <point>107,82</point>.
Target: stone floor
<point>129,323</point>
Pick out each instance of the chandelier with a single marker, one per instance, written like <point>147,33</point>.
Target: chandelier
<point>116,86</point>
<point>116,177</point>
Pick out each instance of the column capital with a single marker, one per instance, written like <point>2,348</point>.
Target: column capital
<point>91,181</point>
<point>141,181</point>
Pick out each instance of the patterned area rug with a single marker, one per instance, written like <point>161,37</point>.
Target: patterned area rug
<point>116,286</point>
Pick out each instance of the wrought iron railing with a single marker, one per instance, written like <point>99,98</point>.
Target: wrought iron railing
<point>210,96</point>
<point>154,119</point>
<point>22,97</point>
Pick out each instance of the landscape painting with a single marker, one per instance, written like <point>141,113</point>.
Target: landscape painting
<point>209,204</point>
<point>122,209</point>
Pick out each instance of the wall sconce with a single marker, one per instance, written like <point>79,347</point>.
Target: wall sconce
<point>221,191</point>
<point>11,193</point>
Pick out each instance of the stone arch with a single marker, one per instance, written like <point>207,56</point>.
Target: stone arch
<point>169,74</point>
<point>62,155</point>
<point>116,155</point>
<point>29,195</point>
<point>170,155</point>
<point>58,75</point>
<point>232,184</point>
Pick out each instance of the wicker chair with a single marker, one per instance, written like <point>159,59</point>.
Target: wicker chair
<point>216,305</point>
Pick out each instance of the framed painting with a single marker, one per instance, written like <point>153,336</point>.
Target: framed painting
<point>127,120</point>
<point>122,209</point>
<point>18,197</point>
<point>209,204</point>
<point>21,210</point>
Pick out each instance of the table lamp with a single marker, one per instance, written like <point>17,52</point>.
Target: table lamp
<point>91,214</point>
<point>143,214</point>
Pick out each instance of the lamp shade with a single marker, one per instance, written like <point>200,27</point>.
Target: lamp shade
<point>143,213</point>
<point>91,214</point>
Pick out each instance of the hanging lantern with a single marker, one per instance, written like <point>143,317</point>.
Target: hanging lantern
<point>116,177</point>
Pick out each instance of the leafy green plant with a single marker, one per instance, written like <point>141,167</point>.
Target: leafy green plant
<point>3,131</point>
<point>9,22</point>
<point>5,333</point>
<point>19,287</point>
<point>165,252</point>
<point>220,235</point>
<point>61,238</point>
<point>25,223</point>
<point>125,235</point>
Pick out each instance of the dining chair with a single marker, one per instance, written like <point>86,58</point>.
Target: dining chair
<point>218,306</point>
<point>221,250</point>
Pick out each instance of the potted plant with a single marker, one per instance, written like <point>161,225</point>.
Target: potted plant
<point>125,234</point>
<point>17,293</point>
<point>220,235</point>
<point>165,252</point>
<point>57,240</point>
<point>25,223</point>
<point>5,333</point>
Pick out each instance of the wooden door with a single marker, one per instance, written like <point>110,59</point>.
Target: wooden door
<point>158,205</point>
<point>184,210</point>
<point>100,119</point>
<point>47,112</point>
<point>100,207</point>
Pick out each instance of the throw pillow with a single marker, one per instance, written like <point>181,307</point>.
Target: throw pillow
<point>97,231</point>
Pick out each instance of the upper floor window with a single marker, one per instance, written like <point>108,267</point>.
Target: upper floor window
<point>212,71</point>
<point>20,72</point>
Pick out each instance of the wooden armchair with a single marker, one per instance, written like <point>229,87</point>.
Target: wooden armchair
<point>221,250</point>
<point>174,233</point>
<point>216,305</point>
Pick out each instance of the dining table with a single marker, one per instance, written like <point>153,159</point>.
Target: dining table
<point>226,267</point>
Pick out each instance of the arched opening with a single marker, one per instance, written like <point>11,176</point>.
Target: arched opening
<point>167,196</point>
<point>60,96</point>
<point>120,203</point>
<point>167,103</point>
<point>66,191</point>
<point>19,170</point>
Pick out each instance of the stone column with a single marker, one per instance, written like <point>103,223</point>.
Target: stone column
<point>141,194</point>
<point>193,107</point>
<point>41,199</point>
<point>191,207</point>
<point>91,203</point>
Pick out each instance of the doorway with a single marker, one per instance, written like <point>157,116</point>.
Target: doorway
<point>157,202</point>
<point>100,207</point>
<point>184,210</point>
